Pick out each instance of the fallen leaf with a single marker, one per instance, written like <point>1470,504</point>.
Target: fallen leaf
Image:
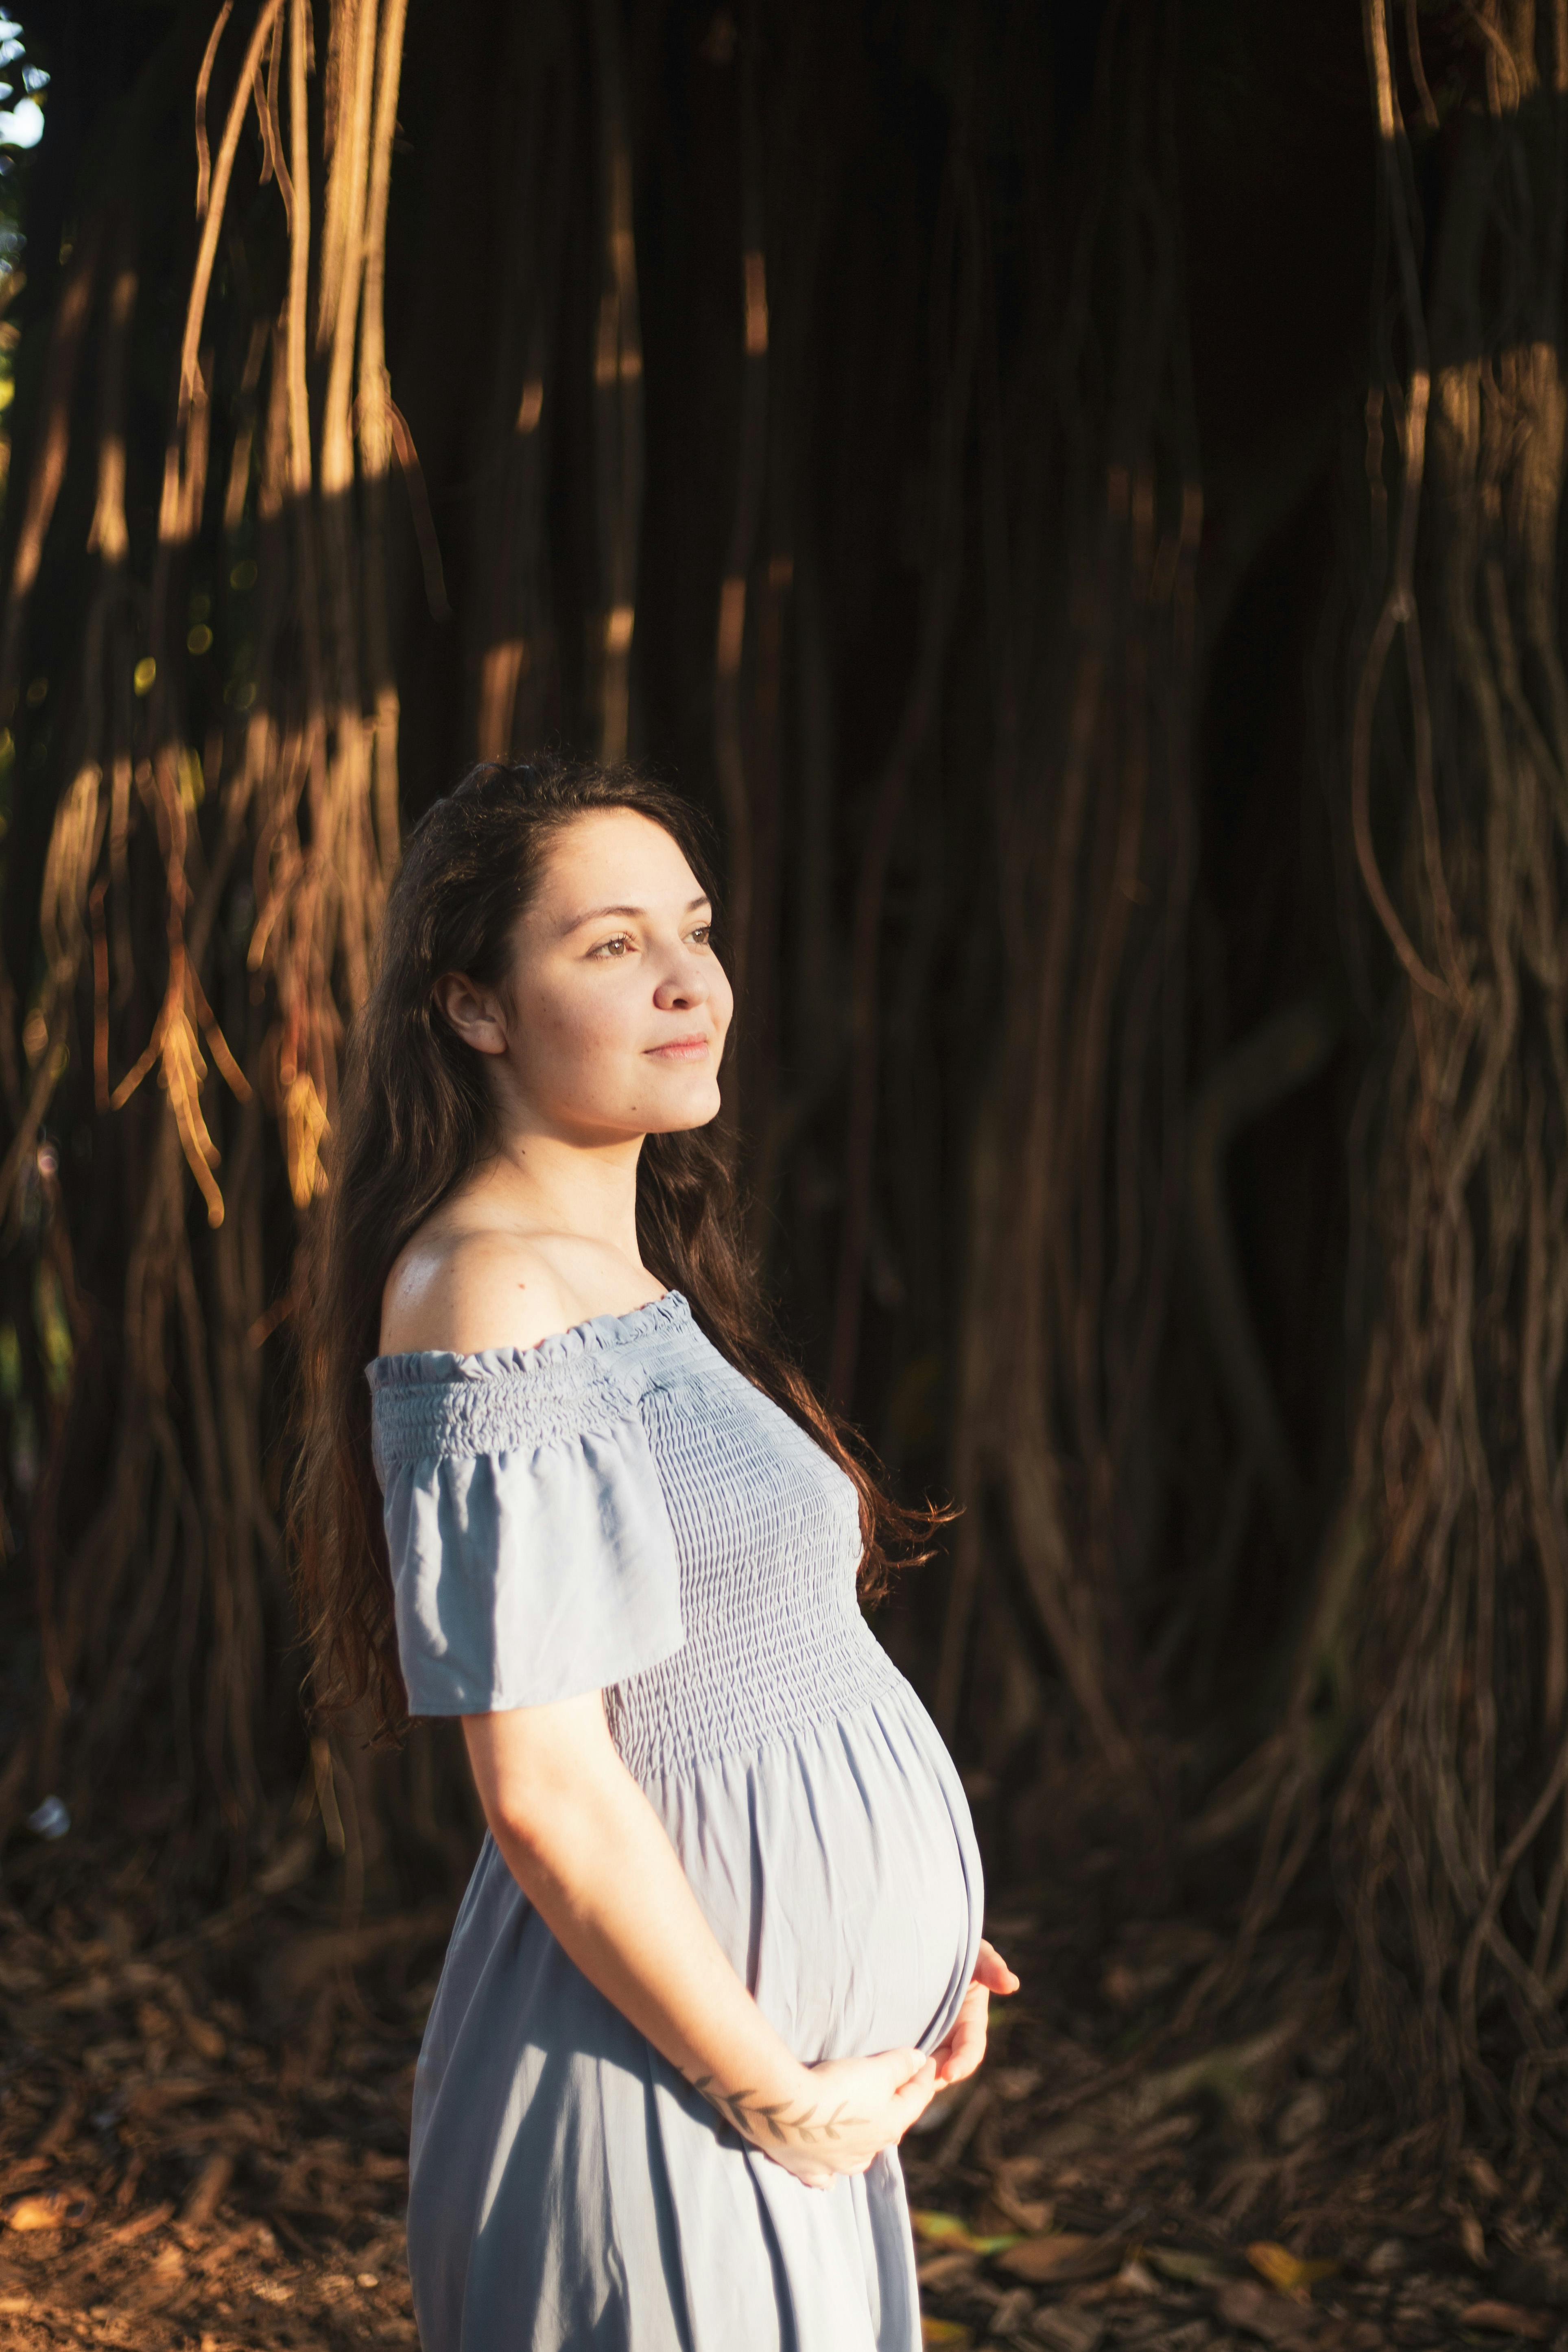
<point>1508,2319</point>
<point>1134,2277</point>
<point>938,2271</point>
<point>208,2193</point>
<point>1009,2208</point>
<point>1285,2271</point>
<point>1026,2217</point>
<point>14,2304</point>
<point>1243,2304</point>
<point>947,2230</point>
<point>1188,2268</point>
<point>1472,2237</point>
<point>1063,2254</point>
<point>1483,2177</point>
<point>44,2212</point>
<point>938,2229</point>
<point>1015,2310</point>
<point>1062,2329</point>
<point>944,2331</point>
<point>1017,2172</point>
<point>205,2039</point>
<point>127,2231</point>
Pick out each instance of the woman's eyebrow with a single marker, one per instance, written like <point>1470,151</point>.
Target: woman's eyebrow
<point>594,914</point>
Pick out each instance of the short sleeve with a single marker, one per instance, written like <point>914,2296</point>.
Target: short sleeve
<point>531,1572</point>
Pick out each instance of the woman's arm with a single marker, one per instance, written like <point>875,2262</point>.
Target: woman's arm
<point>593,1857</point>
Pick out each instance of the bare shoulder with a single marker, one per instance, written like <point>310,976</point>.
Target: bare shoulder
<point>467,1289</point>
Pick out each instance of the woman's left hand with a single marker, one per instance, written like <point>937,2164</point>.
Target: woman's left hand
<point>965,2046</point>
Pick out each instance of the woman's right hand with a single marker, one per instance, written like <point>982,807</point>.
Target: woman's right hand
<point>854,2107</point>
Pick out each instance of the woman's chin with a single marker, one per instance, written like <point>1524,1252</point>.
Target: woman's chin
<point>691,1105</point>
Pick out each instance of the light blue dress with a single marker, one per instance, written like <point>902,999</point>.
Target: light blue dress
<point>621,1509</point>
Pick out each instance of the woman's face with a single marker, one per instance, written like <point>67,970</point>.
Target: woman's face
<point>612,1020</point>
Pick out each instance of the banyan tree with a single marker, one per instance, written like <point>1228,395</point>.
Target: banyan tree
<point>1076,494</point>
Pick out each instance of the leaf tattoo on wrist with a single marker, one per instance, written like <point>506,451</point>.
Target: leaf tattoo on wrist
<point>755,2119</point>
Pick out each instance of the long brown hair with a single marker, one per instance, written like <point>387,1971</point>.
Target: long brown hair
<point>414,1118</point>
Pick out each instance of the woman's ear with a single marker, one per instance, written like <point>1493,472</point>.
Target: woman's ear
<point>474,1014</point>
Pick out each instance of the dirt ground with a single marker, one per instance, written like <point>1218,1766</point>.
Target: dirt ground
<point>203,2127</point>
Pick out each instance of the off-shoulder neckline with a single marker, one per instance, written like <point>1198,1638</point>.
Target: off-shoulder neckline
<point>666,1313</point>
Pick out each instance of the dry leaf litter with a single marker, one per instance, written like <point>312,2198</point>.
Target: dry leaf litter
<point>203,2126</point>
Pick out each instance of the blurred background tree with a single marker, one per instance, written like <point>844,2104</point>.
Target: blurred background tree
<point>1124,662</point>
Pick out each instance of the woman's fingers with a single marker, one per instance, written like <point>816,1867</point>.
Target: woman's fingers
<point>907,2065</point>
<point>912,2098</point>
<point>961,2054</point>
<point>810,2176</point>
<point>905,2068</point>
<point>964,2047</point>
<point>992,1970</point>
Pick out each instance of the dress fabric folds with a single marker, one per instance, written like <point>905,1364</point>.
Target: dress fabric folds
<point>621,1509</point>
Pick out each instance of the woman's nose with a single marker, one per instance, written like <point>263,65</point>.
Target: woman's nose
<point>683,984</point>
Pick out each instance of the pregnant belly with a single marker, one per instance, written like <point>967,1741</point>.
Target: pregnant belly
<point>839,1869</point>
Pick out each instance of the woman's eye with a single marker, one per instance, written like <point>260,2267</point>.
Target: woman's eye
<point>702,934</point>
<point>615,948</point>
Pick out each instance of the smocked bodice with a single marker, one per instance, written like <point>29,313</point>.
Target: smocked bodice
<point>638,1516</point>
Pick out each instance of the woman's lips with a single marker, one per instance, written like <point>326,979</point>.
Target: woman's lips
<point>680,1049</point>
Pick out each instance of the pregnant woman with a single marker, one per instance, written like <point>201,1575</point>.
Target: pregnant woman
<point>722,1943</point>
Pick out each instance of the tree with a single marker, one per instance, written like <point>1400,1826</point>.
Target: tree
<point>1139,748</point>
